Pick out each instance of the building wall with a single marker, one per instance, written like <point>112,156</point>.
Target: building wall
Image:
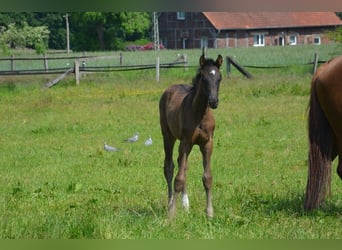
<point>176,34</point>
<point>272,37</point>
<point>195,31</point>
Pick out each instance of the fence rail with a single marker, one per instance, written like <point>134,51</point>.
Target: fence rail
<point>79,64</point>
<point>241,68</point>
<point>82,60</point>
<point>45,68</point>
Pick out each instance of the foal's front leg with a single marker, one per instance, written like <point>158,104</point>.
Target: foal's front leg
<point>207,179</point>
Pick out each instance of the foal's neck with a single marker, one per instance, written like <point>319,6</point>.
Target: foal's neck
<point>199,101</point>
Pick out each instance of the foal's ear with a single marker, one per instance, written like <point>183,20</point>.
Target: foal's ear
<point>202,60</point>
<point>219,61</point>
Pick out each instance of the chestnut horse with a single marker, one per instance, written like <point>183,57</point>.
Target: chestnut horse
<point>325,131</point>
<point>185,115</point>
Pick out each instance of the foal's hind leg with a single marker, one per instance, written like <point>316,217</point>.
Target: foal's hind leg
<point>169,165</point>
<point>206,151</point>
<point>180,179</point>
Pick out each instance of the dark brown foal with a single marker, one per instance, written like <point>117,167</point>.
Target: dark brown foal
<point>185,115</point>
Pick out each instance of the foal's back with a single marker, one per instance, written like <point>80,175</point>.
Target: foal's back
<point>170,109</point>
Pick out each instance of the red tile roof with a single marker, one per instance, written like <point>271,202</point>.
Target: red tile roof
<point>259,20</point>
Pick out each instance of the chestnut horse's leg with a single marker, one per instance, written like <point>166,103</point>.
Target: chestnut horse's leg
<point>338,153</point>
<point>339,167</point>
<point>180,179</point>
<point>206,151</point>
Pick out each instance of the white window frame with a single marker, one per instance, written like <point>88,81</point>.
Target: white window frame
<point>184,41</point>
<point>227,40</point>
<point>282,39</point>
<point>180,15</point>
<point>259,39</point>
<point>318,40</point>
<point>293,39</point>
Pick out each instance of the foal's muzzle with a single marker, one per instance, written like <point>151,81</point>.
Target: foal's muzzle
<point>213,103</point>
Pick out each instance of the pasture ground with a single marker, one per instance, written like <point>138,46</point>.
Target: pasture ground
<point>58,182</point>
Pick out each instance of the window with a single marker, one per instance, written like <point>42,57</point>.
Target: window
<point>281,39</point>
<point>293,39</point>
<point>181,15</point>
<point>317,40</point>
<point>259,40</point>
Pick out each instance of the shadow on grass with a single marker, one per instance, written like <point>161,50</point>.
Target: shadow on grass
<point>292,205</point>
<point>147,210</point>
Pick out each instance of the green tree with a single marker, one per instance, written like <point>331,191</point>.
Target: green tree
<point>12,37</point>
<point>56,25</point>
<point>135,24</point>
<point>336,35</point>
<point>25,36</point>
<point>55,22</point>
<point>36,37</point>
<point>88,30</point>
<point>107,30</point>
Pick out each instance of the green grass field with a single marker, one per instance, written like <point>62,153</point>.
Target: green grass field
<point>58,182</point>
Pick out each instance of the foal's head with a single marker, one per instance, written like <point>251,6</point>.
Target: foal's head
<point>209,77</point>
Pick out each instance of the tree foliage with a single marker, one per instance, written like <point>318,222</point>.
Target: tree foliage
<point>89,31</point>
<point>336,35</point>
<point>25,36</point>
<point>107,30</point>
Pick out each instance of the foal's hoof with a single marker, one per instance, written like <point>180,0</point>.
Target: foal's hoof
<point>171,209</point>
<point>185,202</point>
<point>171,213</point>
<point>210,214</point>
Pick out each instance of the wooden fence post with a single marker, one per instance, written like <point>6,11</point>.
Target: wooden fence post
<point>12,62</point>
<point>46,66</point>
<point>186,63</point>
<point>157,69</point>
<point>228,67</point>
<point>315,63</point>
<point>77,71</point>
<point>239,68</point>
<point>55,81</point>
<point>204,51</point>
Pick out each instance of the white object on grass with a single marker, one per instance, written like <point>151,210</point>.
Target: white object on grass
<point>133,139</point>
<point>149,141</point>
<point>109,148</point>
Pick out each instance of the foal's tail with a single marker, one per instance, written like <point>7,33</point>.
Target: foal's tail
<point>321,141</point>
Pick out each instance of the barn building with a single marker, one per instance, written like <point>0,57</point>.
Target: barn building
<point>244,29</point>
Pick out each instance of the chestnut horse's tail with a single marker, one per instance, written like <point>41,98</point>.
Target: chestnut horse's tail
<point>321,141</point>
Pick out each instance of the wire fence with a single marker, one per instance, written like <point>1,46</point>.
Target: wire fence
<point>241,68</point>
<point>45,65</point>
<point>14,69</point>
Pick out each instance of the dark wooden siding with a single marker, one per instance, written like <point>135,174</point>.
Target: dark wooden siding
<point>195,28</point>
<point>173,32</point>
